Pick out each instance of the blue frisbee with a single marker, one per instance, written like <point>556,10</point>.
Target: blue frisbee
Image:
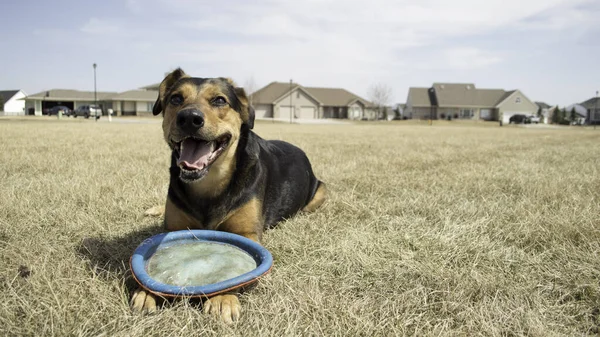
<point>198,263</point>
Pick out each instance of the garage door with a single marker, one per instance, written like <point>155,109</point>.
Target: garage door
<point>507,114</point>
<point>284,112</point>
<point>261,113</point>
<point>128,108</point>
<point>307,112</point>
<point>485,114</point>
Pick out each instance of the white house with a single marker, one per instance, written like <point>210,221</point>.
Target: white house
<point>11,103</point>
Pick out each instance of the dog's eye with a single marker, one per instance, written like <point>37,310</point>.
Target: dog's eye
<point>176,99</point>
<point>219,101</point>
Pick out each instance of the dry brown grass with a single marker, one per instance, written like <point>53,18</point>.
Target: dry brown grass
<point>442,230</point>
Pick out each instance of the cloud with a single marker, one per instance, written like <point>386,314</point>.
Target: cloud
<point>341,43</point>
<point>469,58</point>
<point>99,27</point>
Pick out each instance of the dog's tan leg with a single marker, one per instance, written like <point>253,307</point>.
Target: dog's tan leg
<point>143,301</point>
<point>155,211</point>
<point>318,199</point>
<point>176,219</point>
<point>245,221</point>
<point>227,307</point>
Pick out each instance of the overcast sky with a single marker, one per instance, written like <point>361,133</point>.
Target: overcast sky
<point>550,49</point>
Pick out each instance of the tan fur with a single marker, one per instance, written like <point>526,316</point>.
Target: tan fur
<point>217,122</point>
<point>155,211</point>
<point>246,221</point>
<point>226,306</point>
<point>176,219</point>
<point>317,200</point>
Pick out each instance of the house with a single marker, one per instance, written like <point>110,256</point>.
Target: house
<point>11,103</point>
<point>465,101</point>
<point>593,110</point>
<point>580,116</point>
<point>280,100</point>
<point>37,103</point>
<point>544,111</point>
<point>134,102</point>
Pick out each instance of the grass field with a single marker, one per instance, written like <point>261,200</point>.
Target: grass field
<point>442,230</point>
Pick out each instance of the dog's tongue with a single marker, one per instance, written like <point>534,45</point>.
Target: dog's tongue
<point>195,153</point>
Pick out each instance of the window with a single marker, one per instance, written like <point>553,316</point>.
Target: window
<point>466,113</point>
<point>298,94</point>
<point>150,106</point>
<point>597,114</point>
<point>518,100</point>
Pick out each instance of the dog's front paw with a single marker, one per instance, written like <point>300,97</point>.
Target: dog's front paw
<point>225,306</point>
<point>155,211</point>
<point>143,301</point>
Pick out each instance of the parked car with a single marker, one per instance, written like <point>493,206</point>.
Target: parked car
<point>518,119</point>
<point>87,111</point>
<point>54,110</point>
<point>533,119</point>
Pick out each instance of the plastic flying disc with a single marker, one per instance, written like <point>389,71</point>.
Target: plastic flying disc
<point>200,263</point>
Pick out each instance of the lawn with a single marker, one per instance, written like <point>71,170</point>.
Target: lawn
<point>450,229</point>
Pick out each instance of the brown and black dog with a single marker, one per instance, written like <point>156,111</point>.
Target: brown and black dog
<point>224,176</point>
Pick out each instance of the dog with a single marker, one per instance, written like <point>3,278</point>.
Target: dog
<point>223,176</point>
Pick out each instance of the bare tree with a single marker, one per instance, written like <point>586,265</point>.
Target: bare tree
<point>250,87</point>
<point>380,94</point>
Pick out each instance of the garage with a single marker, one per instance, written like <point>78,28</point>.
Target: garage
<point>285,112</point>
<point>485,114</point>
<point>506,115</point>
<point>47,105</point>
<point>128,108</point>
<point>261,112</point>
<point>307,112</point>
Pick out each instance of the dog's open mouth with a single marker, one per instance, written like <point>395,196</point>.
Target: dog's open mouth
<point>196,155</point>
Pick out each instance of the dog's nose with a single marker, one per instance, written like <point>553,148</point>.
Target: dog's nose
<point>190,120</point>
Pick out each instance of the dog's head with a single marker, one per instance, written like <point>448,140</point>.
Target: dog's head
<point>203,119</point>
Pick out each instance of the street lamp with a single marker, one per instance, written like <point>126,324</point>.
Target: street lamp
<point>95,97</point>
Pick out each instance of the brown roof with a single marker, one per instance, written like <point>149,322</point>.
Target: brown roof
<point>543,105</point>
<point>465,94</point>
<point>137,95</point>
<point>154,87</point>
<point>456,95</point>
<point>7,94</point>
<point>270,93</point>
<point>592,103</point>
<point>70,95</point>
<point>335,96</point>
<point>326,96</point>
<point>419,97</point>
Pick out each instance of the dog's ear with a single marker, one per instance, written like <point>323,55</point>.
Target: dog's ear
<point>247,111</point>
<point>164,87</point>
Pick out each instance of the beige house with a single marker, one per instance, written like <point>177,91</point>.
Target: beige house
<point>134,102</point>
<point>287,101</point>
<point>37,103</point>
<point>465,101</point>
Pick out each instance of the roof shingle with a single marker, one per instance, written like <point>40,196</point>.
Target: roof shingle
<point>7,94</point>
<point>326,96</point>
<point>136,95</point>
<point>67,95</point>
